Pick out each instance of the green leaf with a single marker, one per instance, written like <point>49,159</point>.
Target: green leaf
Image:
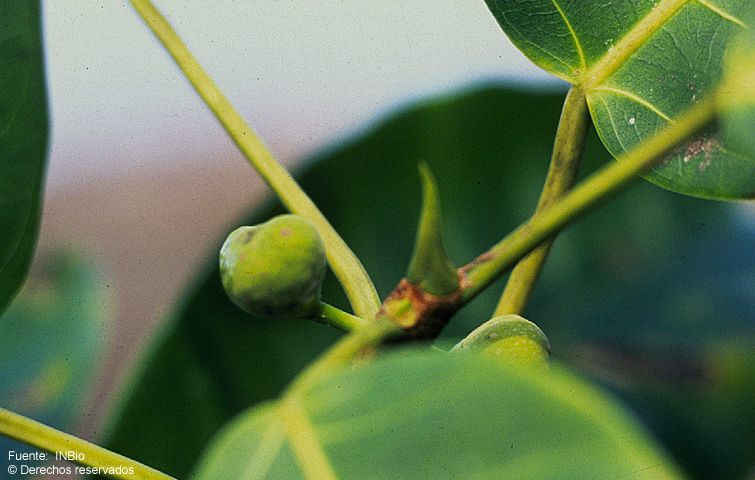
<point>430,268</point>
<point>694,398</point>
<point>23,140</point>
<point>641,63</point>
<point>737,99</point>
<point>51,340</point>
<point>213,362</point>
<point>650,271</point>
<point>429,415</point>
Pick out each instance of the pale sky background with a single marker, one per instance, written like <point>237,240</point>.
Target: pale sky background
<point>302,73</point>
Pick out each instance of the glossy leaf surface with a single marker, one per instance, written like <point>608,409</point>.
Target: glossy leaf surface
<point>641,64</point>
<point>430,415</point>
<point>23,140</point>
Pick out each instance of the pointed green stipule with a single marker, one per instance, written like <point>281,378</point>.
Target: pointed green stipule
<point>430,268</point>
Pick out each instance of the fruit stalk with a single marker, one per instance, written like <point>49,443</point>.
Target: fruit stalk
<point>346,266</point>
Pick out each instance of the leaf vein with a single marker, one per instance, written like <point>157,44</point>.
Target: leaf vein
<point>629,43</point>
<point>555,57</point>
<point>267,451</point>
<point>307,447</point>
<point>636,99</point>
<point>613,123</point>
<point>678,48</point>
<point>582,62</point>
<point>722,13</point>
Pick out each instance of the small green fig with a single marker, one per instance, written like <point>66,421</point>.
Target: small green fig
<point>274,269</point>
<point>511,338</point>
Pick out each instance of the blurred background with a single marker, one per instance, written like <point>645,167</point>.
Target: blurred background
<point>140,174</point>
<point>653,301</point>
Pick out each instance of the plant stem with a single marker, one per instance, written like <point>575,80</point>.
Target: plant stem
<point>567,155</point>
<point>342,352</point>
<point>422,315</point>
<point>330,315</point>
<point>346,266</point>
<point>609,181</point>
<point>51,440</point>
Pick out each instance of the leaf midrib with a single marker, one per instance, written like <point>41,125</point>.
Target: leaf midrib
<point>636,37</point>
<point>629,43</point>
<point>303,440</point>
<point>577,44</point>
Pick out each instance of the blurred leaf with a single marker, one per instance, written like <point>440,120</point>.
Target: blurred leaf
<point>51,340</point>
<point>641,64</point>
<point>23,140</point>
<point>429,415</point>
<point>211,363</point>
<point>639,305</point>
<point>737,101</point>
<point>701,402</point>
<point>651,269</point>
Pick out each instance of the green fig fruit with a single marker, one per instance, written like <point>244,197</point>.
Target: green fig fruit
<point>511,338</point>
<point>274,269</point>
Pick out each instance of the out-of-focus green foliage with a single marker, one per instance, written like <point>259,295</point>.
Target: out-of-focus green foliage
<point>51,340</point>
<point>651,271</point>
<point>441,416</point>
<point>23,140</point>
<point>737,101</point>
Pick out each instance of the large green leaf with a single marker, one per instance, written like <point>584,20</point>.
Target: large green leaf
<point>23,140</point>
<point>641,63</point>
<point>51,340</point>
<point>440,416</point>
<point>649,271</point>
